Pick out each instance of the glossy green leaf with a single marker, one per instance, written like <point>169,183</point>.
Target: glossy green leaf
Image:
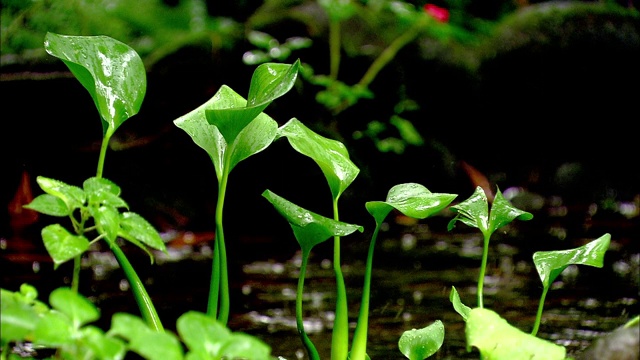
<point>458,306</point>
<point>474,212</point>
<point>135,226</point>
<point>202,333</point>
<point>103,192</point>
<point>108,221</point>
<point>502,213</point>
<point>331,155</point>
<point>498,340</point>
<point>411,199</point>
<point>251,138</point>
<point>269,82</point>
<point>255,137</point>
<point>110,70</point>
<point>73,196</point>
<point>202,133</point>
<point>419,344</point>
<point>309,228</point>
<point>49,205</point>
<point>62,245</point>
<point>551,263</point>
<point>77,307</point>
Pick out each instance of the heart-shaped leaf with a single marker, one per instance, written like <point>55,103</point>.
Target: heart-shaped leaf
<point>110,70</point>
<point>309,228</point>
<point>77,307</point>
<point>474,212</point>
<point>73,196</point>
<point>411,199</point>
<point>331,155</point>
<point>550,264</point>
<point>249,137</point>
<point>62,245</point>
<point>269,82</point>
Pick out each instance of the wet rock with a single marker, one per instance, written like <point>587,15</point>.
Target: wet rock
<point>621,344</point>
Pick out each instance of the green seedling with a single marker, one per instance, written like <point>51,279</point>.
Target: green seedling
<point>411,199</point>
<point>309,229</point>
<point>550,264</point>
<point>474,212</point>
<point>230,129</point>
<point>115,77</point>
<point>333,159</point>
<point>66,327</point>
<point>416,201</point>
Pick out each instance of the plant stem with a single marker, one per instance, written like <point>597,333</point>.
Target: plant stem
<point>308,344</point>
<point>391,51</point>
<point>220,280</point>
<point>145,304</point>
<point>483,268</point>
<point>340,334</point>
<point>334,48</point>
<point>359,343</point>
<point>75,277</point>
<point>103,151</point>
<point>536,325</point>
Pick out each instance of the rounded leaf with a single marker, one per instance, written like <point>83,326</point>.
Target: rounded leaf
<point>110,70</point>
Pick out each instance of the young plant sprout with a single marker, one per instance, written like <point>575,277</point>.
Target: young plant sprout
<point>115,77</point>
<point>309,229</point>
<point>550,264</point>
<point>230,129</point>
<point>474,212</point>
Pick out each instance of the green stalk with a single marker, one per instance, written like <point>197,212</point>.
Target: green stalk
<point>147,310</point>
<point>340,334</point>
<point>359,344</point>
<point>145,304</point>
<point>308,344</point>
<point>391,51</point>
<point>334,48</point>
<point>219,291</point>
<point>536,325</point>
<point>75,277</point>
<point>103,151</point>
<point>483,268</point>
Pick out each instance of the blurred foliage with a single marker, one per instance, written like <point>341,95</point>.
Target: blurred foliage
<point>153,28</point>
<point>343,45</point>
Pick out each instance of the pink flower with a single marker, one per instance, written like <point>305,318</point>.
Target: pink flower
<point>439,13</point>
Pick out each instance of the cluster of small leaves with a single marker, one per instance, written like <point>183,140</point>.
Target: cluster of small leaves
<point>99,199</point>
<point>270,49</point>
<point>66,327</point>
